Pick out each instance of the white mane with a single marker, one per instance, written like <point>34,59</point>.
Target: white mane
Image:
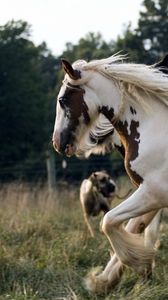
<point>99,139</point>
<point>137,80</point>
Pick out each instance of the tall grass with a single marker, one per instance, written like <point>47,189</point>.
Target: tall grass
<point>45,251</point>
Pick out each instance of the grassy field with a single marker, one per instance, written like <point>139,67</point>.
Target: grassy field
<point>45,251</point>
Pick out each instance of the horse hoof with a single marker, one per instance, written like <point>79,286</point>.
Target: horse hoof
<point>95,283</point>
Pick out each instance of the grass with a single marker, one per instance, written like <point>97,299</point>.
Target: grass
<point>45,251</point>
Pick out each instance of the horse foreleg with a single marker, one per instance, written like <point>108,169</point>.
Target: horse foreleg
<point>99,283</point>
<point>111,275</point>
<point>129,247</point>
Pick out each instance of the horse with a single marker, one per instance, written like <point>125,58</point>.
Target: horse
<point>129,96</point>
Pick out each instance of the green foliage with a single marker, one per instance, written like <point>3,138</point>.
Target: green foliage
<point>153,27</point>
<point>26,84</point>
<point>131,44</point>
<point>148,42</point>
<point>90,47</point>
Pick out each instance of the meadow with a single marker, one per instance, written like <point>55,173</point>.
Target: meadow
<point>45,250</point>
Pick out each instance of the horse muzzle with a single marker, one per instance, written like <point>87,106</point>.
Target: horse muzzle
<point>67,149</point>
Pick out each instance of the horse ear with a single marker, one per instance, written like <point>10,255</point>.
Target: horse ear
<point>73,74</point>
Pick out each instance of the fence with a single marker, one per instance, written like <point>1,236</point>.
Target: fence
<point>54,168</point>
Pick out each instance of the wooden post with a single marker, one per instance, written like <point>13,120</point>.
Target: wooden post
<point>50,162</point>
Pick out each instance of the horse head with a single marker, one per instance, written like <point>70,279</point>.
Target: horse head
<point>71,108</point>
<point>78,109</point>
<point>73,115</point>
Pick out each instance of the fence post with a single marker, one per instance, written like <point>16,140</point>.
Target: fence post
<point>50,163</point>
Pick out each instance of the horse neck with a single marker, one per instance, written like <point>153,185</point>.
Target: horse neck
<point>108,94</point>
<point>124,114</point>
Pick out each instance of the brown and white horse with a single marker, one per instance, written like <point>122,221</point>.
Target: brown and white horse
<point>134,99</point>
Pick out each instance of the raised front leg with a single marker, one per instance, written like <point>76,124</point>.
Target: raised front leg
<point>129,247</point>
<point>111,275</point>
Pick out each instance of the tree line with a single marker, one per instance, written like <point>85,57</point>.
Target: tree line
<point>30,78</point>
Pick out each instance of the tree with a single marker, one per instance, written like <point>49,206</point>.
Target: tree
<point>148,42</point>
<point>92,46</point>
<point>131,44</point>
<point>25,87</point>
<point>153,27</point>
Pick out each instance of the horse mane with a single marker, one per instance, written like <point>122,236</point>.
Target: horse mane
<point>138,81</point>
<point>99,139</point>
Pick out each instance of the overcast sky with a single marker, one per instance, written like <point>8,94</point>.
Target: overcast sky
<point>60,21</point>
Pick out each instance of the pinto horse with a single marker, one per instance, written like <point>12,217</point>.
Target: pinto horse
<point>133,99</point>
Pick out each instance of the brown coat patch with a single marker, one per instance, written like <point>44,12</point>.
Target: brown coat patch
<point>73,101</point>
<point>74,106</point>
<point>129,141</point>
<point>131,144</point>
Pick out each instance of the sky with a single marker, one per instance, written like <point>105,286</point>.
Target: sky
<point>60,21</point>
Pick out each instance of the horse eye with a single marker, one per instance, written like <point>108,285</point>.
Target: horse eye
<point>62,101</point>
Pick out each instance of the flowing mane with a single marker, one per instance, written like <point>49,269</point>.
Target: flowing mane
<point>137,80</point>
<point>99,139</point>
